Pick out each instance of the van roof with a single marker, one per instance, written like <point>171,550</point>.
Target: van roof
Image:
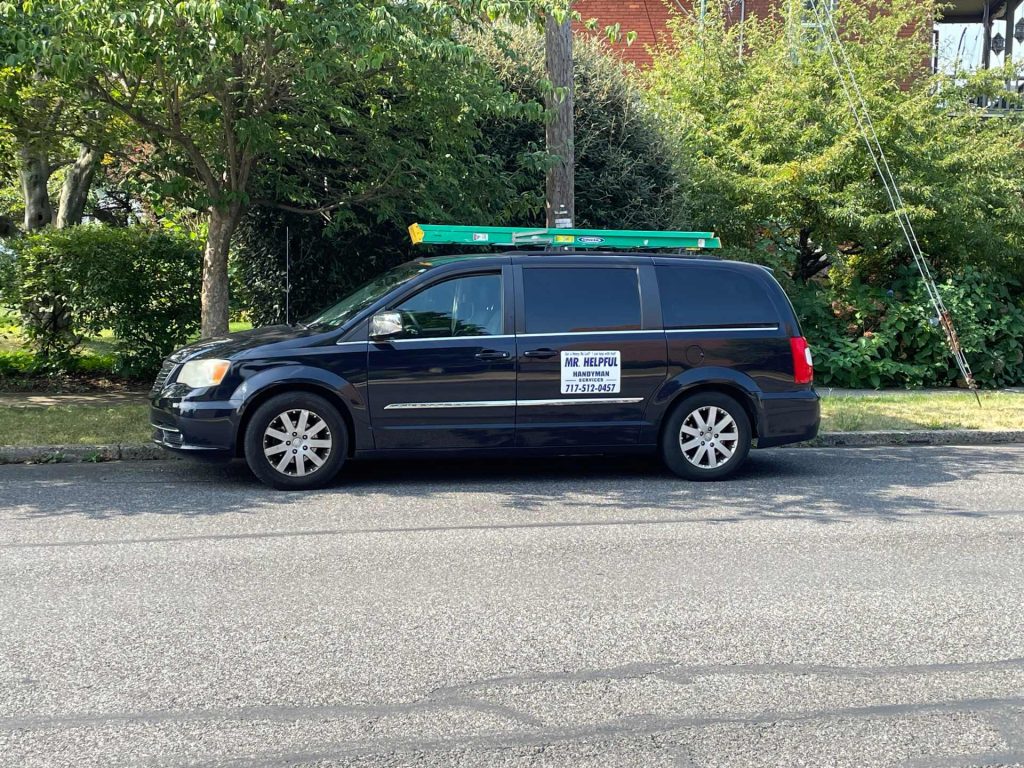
<point>522,256</point>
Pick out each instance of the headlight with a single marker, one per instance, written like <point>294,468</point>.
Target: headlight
<point>203,373</point>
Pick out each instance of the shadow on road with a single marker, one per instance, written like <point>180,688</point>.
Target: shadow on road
<point>824,486</point>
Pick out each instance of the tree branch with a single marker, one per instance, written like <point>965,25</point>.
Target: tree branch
<point>384,189</point>
<point>171,132</point>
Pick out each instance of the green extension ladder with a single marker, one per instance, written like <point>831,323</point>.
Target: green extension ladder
<point>604,239</point>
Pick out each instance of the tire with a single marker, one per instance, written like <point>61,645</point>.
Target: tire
<point>690,457</point>
<point>273,431</point>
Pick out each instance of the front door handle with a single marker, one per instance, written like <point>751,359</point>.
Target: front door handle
<point>492,354</point>
<point>542,354</point>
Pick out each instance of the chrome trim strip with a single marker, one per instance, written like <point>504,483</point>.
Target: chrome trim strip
<point>350,343</point>
<point>164,429</point>
<point>185,446</point>
<point>583,401</point>
<point>510,403</point>
<point>711,329</point>
<point>471,404</point>
<point>589,333</point>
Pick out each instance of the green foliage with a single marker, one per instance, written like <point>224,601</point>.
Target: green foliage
<point>776,158</point>
<point>219,92</point>
<point>22,366</point>
<point>493,173</point>
<point>865,336</point>
<point>43,118</point>
<point>17,363</point>
<point>8,276</point>
<point>140,283</point>
<point>326,263</point>
<point>625,178</point>
<point>779,168</point>
<point>221,85</point>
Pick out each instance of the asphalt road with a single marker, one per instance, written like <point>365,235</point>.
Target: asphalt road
<point>852,607</point>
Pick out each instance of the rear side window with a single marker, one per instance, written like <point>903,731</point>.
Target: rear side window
<point>581,299</point>
<point>695,297</point>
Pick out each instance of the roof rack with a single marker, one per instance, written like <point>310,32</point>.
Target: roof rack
<point>444,234</point>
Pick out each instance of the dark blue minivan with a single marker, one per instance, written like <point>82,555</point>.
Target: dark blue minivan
<point>517,353</point>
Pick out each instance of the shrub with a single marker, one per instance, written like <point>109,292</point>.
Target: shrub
<point>8,276</point>
<point>141,283</point>
<point>325,265</point>
<point>864,336</point>
<point>16,363</point>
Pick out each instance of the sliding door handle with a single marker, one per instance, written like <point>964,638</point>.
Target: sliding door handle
<point>492,354</point>
<point>542,354</point>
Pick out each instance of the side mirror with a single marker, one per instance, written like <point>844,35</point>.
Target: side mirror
<point>385,325</point>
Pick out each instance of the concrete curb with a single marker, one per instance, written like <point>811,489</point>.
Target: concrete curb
<point>56,454</point>
<point>59,454</point>
<point>916,437</point>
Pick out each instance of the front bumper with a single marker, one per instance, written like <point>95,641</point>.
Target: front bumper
<point>203,429</point>
<point>790,417</point>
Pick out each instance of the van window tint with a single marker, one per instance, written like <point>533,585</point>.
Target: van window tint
<point>465,306</point>
<point>581,299</point>
<point>693,296</point>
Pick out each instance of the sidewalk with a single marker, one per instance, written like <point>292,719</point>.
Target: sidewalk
<point>95,399</point>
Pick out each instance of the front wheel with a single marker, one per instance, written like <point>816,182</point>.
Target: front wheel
<point>296,441</point>
<point>707,437</point>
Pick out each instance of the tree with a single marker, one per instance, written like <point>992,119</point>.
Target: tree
<point>762,127</point>
<point>779,166</point>
<point>30,111</point>
<point>43,119</point>
<point>221,89</point>
<point>488,169</point>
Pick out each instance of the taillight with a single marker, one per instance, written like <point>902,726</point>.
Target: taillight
<point>803,363</point>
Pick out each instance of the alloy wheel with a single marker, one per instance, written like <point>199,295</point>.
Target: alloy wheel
<point>708,437</point>
<point>297,442</point>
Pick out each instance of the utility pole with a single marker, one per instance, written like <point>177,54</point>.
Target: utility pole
<point>986,52</point>
<point>559,131</point>
<point>1011,14</point>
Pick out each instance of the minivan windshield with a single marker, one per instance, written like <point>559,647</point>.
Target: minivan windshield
<point>351,305</point>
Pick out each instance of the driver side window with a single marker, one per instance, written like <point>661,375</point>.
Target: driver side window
<point>464,306</point>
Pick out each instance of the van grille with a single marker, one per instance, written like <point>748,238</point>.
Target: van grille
<point>161,378</point>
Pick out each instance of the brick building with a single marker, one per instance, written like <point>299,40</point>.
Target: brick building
<point>649,20</point>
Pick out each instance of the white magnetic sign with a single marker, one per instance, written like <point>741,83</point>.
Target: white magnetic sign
<point>592,373</point>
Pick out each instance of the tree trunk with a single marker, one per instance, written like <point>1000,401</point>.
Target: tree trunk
<point>75,192</point>
<point>215,296</point>
<point>34,172</point>
<point>559,131</point>
<point>810,259</point>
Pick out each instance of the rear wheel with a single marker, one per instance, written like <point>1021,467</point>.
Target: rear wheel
<point>707,437</point>
<point>296,441</point>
